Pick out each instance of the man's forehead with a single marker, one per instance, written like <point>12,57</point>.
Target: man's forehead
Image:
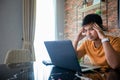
<point>88,26</point>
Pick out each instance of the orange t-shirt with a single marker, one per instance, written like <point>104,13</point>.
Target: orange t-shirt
<point>97,55</point>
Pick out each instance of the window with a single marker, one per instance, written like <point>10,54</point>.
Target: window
<point>45,27</point>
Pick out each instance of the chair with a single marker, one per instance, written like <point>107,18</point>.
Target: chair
<point>18,56</point>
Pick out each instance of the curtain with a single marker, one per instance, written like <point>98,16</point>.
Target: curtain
<point>29,15</point>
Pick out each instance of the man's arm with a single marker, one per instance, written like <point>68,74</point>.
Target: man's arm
<point>78,52</point>
<point>112,56</point>
<point>79,37</point>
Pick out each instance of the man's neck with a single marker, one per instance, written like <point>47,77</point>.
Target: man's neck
<point>97,43</point>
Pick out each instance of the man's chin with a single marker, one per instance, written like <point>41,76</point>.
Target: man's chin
<point>90,39</point>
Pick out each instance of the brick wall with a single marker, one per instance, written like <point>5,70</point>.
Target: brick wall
<point>73,16</point>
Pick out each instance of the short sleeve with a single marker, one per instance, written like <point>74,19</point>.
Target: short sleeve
<point>115,42</point>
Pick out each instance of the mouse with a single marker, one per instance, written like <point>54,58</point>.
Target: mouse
<point>45,62</point>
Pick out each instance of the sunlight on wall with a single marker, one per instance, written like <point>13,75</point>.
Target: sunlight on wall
<point>45,27</point>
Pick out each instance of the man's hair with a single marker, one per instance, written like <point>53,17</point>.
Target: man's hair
<point>93,18</point>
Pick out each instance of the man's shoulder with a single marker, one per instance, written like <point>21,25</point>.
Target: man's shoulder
<point>113,38</point>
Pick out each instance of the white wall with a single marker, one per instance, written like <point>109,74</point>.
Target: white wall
<point>10,26</point>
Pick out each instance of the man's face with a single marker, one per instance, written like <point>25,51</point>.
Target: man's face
<point>90,33</point>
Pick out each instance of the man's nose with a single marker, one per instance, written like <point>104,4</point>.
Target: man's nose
<point>87,33</point>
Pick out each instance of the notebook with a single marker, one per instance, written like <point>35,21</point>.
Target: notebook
<point>62,54</point>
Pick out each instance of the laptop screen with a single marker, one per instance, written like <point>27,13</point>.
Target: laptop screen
<point>62,54</point>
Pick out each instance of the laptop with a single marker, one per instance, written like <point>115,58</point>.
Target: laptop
<point>62,54</point>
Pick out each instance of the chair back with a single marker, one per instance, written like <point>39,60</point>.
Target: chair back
<point>18,56</point>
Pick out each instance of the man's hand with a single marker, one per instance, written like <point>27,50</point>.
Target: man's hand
<point>99,31</point>
<point>80,35</point>
<point>78,38</point>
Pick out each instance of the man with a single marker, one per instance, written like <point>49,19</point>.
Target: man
<point>103,50</point>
